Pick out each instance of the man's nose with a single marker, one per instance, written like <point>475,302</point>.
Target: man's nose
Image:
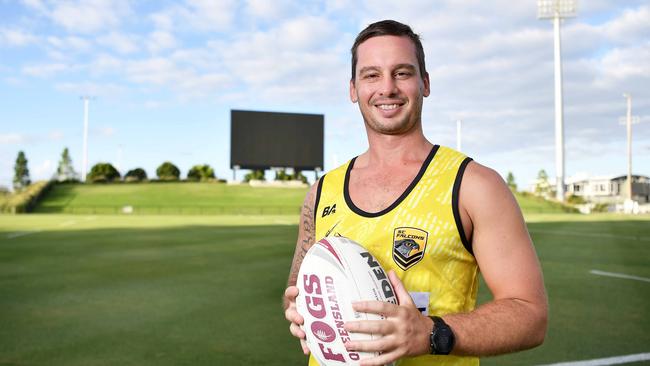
<point>388,86</point>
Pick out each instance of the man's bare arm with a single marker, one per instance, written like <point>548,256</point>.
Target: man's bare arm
<point>306,233</point>
<point>516,318</point>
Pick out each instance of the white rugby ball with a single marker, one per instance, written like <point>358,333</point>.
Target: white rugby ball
<point>336,272</point>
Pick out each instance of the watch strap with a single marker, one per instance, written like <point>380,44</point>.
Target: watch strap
<point>441,339</point>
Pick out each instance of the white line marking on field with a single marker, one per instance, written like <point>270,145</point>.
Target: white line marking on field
<point>606,361</point>
<point>68,223</point>
<point>619,275</point>
<point>593,235</point>
<point>22,233</point>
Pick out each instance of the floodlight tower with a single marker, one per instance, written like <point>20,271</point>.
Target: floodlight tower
<point>84,164</point>
<point>629,120</point>
<point>557,10</point>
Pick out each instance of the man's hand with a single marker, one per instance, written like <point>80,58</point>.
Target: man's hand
<point>405,331</point>
<point>294,318</point>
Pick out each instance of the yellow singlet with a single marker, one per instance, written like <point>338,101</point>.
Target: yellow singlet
<point>419,236</point>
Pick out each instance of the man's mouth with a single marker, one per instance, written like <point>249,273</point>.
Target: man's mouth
<point>388,107</point>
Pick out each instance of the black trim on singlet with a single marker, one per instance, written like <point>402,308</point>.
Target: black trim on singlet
<point>360,212</point>
<point>318,190</point>
<point>455,206</point>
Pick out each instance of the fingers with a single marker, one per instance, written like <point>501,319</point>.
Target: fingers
<point>305,349</point>
<point>291,292</point>
<point>382,359</point>
<point>296,320</point>
<point>296,331</point>
<point>375,307</point>
<point>293,316</point>
<point>403,296</point>
<point>369,326</point>
<point>389,352</point>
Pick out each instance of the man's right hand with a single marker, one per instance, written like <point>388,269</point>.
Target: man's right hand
<point>296,320</point>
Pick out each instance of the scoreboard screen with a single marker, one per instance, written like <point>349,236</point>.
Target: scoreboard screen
<point>261,140</point>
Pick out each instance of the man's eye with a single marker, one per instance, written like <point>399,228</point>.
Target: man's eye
<point>402,74</point>
<point>371,76</point>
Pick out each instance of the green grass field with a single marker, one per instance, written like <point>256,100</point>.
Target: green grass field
<point>198,198</point>
<point>171,198</point>
<point>206,290</point>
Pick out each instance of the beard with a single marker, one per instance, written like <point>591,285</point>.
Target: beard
<point>396,125</point>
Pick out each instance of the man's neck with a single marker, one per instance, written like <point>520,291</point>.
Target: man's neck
<point>394,150</point>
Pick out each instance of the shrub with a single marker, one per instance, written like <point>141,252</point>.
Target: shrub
<point>135,175</point>
<point>26,199</point>
<point>200,173</point>
<point>103,172</point>
<point>254,175</point>
<point>168,171</point>
<point>576,200</point>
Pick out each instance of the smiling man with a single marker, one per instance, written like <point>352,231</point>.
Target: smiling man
<point>430,215</point>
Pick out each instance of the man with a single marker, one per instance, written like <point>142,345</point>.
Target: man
<point>430,215</point>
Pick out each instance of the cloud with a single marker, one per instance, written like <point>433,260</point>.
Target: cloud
<point>70,43</point>
<point>16,37</point>
<point>197,15</point>
<point>212,15</point>
<point>186,81</point>
<point>631,27</point>
<point>43,170</point>
<point>86,16</point>
<point>119,42</point>
<point>94,89</point>
<point>160,41</point>
<point>106,131</point>
<point>12,139</point>
<point>269,11</point>
<point>55,135</point>
<point>45,70</point>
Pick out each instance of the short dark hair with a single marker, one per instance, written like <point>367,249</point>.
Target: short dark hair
<point>389,28</point>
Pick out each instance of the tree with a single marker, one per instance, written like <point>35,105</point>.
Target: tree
<point>542,186</point>
<point>200,173</point>
<point>65,171</point>
<point>135,175</point>
<point>168,171</point>
<point>21,172</point>
<point>510,180</point>
<point>297,175</point>
<point>103,172</point>
<point>282,175</point>
<point>254,175</point>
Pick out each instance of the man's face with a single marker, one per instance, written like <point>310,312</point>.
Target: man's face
<point>388,85</point>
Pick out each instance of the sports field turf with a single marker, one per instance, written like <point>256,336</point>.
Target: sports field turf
<point>206,290</point>
<point>171,198</point>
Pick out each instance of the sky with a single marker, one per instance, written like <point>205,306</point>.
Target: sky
<point>164,75</point>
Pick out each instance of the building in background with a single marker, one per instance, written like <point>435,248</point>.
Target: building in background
<point>609,190</point>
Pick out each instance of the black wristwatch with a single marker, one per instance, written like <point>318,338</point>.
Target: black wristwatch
<point>442,338</point>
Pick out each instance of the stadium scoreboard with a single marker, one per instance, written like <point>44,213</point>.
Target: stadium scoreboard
<point>262,140</point>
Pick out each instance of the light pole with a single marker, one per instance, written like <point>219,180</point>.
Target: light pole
<point>629,120</point>
<point>84,164</point>
<point>557,10</point>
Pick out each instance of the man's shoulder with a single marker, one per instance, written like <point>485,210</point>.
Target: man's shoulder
<point>484,188</point>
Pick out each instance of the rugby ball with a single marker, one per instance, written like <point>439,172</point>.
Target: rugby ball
<point>336,272</point>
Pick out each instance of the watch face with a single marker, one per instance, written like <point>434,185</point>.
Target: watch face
<point>443,340</point>
<point>442,337</point>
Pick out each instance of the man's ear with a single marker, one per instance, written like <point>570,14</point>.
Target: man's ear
<point>427,85</point>
<point>353,92</point>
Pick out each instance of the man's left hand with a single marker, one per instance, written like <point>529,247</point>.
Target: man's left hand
<point>405,331</point>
